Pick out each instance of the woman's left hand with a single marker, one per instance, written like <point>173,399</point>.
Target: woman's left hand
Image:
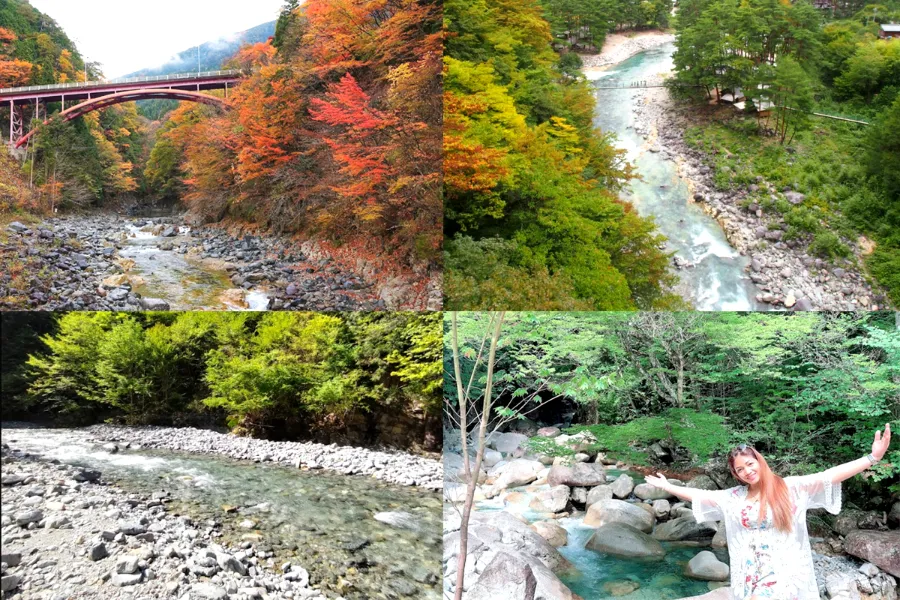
<point>880,445</point>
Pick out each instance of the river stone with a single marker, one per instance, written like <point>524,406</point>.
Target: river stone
<point>208,590</point>
<point>618,511</point>
<point>622,587</point>
<point>553,500</point>
<point>881,548</point>
<point>579,495</point>
<point>230,563</point>
<point>841,586</point>
<point>132,528</point>
<point>507,443</point>
<point>549,432</point>
<point>661,508</point>
<point>702,482</point>
<point>500,526</point>
<point>707,567</point>
<point>87,475</point>
<point>17,227</point>
<point>625,541</point>
<point>684,528</point>
<point>720,540</point>
<point>28,516</point>
<point>123,579</point>
<point>10,582</point>
<point>56,522</point>
<point>794,197</point>
<point>127,564</point>
<point>622,486</point>
<point>98,551</point>
<point>13,479</point>
<point>596,494</point>
<point>117,294</point>
<point>577,475</point>
<point>517,473</point>
<point>401,520</point>
<point>490,458</point>
<point>12,559</point>
<point>154,304</point>
<point>647,491</point>
<point>551,531</point>
<point>506,577</point>
<point>168,232</point>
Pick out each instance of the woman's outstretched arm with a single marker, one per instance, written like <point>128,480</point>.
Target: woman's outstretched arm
<point>847,470</point>
<point>685,493</point>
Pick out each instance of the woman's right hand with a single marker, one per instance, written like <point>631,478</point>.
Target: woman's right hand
<point>659,481</point>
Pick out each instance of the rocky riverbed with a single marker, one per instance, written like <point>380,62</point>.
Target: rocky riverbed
<point>88,263</point>
<point>586,526</point>
<point>786,274</point>
<point>67,533</point>
<point>387,465</point>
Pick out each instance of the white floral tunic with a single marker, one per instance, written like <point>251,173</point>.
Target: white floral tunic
<point>764,561</point>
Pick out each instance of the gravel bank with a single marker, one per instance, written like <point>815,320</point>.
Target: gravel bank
<point>621,46</point>
<point>784,271</point>
<point>391,466</point>
<point>68,534</point>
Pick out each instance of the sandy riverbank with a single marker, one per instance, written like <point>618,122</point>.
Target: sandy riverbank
<point>621,46</point>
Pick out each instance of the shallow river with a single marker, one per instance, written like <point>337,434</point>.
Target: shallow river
<point>717,280</point>
<point>322,521</point>
<point>184,284</point>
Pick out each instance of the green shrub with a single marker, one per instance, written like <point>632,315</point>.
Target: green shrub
<point>828,245</point>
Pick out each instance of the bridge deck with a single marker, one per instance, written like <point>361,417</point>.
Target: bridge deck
<point>208,80</point>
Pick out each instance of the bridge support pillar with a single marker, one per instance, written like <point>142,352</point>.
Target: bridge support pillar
<point>16,123</point>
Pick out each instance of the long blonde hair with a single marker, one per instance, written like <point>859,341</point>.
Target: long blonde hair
<point>773,491</point>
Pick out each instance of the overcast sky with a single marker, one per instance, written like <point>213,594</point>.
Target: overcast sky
<point>125,36</point>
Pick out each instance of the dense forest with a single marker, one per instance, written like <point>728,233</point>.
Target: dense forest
<point>531,212</point>
<point>807,389</point>
<point>334,132</point>
<point>791,59</point>
<point>274,375</point>
<point>583,24</point>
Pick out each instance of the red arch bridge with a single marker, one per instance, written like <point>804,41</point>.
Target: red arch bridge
<point>85,97</point>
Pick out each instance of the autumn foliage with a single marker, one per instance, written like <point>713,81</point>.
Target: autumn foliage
<point>336,132</point>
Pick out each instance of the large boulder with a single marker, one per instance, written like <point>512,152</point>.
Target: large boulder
<point>881,548</point>
<point>684,528</point>
<point>618,511</point>
<point>580,442</point>
<point>524,426</point>
<point>507,443</point>
<point>549,432</point>
<point>647,491</point>
<point>502,527</point>
<point>707,567</point>
<point>507,577</point>
<point>553,500</point>
<point>702,482</point>
<point>622,486</point>
<point>577,475</point>
<point>720,540</point>
<point>625,541</point>
<point>551,531</point>
<point>491,458</point>
<point>601,492</point>
<point>847,521</point>
<point>516,473</point>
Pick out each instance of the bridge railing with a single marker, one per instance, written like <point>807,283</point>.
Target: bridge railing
<point>89,84</point>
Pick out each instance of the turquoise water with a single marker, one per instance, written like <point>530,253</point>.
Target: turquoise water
<point>315,519</point>
<point>717,281</point>
<point>658,580</point>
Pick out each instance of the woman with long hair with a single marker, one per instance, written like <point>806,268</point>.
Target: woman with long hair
<point>765,520</point>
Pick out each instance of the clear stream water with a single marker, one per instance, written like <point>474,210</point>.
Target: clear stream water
<point>594,573</point>
<point>717,281</point>
<point>184,284</point>
<point>321,521</point>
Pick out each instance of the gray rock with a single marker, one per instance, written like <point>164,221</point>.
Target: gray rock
<point>625,541</point>
<point>507,443</point>
<point>618,511</point>
<point>127,564</point>
<point>154,304</point>
<point>132,528</point>
<point>684,528</point>
<point>596,494</point>
<point>123,579</point>
<point>707,567</point>
<point>18,228</point>
<point>12,559</point>
<point>702,482</point>
<point>577,475</point>
<point>13,479</point>
<point>57,522</point>
<point>881,548</point>
<point>553,500</point>
<point>10,582</point>
<point>28,516</point>
<point>98,551</point>
<point>622,486</point>
<point>208,590</point>
<point>507,577</point>
<point>551,531</point>
<point>87,475</point>
<point>646,491</point>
